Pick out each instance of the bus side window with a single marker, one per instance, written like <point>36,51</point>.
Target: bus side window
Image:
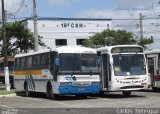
<point>36,61</point>
<point>45,60</point>
<point>17,63</point>
<point>22,62</point>
<point>29,62</point>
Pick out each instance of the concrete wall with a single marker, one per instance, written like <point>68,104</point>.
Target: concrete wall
<point>68,28</point>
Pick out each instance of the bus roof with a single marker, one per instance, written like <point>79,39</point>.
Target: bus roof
<point>32,53</point>
<point>75,49</point>
<point>63,49</point>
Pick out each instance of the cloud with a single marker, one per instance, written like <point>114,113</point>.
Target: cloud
<point>63,2</point>
<point>60,2</point>
<point>112,13</point>
<point>119,17</point>
<point>129,20</point>
<point>119,4</point>
<point>134,4</point>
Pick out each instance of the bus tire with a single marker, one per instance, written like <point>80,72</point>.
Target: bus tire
<point>81,96</point>
<point>126,93</point>
<point>27,93</point>
<point>155,89</point>
<point>50,93</point>
<point>101,94</point>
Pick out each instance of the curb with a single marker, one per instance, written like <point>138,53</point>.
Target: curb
<point>8,95</point>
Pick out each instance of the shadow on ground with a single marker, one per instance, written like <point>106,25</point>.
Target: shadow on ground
<point>60,98</point>
<point>111,95</point>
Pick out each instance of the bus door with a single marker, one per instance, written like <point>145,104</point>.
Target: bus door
<point>152,69</point>
<point>105,72</point>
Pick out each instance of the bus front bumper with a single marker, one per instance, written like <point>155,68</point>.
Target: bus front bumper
<point>71,89</point>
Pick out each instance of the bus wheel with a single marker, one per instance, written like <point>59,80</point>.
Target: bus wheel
<point>155,89</point>
<point>27,93</point>
<point>81,96</point>
<point>102,94</point>
<point>126,93</point>
<point>50,93</point>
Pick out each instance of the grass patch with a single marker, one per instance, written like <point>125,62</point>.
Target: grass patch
<point>4,92</point>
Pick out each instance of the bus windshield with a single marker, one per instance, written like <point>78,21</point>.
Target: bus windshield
<point>76,63</point>
<point>129,64</point>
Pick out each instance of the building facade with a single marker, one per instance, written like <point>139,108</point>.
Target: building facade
<point>67,31</point>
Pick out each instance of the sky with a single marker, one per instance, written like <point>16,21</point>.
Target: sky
<point>79,8</point>
<point>114,9</point>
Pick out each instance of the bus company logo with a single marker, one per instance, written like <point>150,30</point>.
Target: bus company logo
<point>132,82</point>
<point>70,78</point>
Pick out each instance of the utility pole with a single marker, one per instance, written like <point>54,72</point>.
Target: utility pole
<point>35,25</point>
<point>141,26</point>
<point>6,70</point>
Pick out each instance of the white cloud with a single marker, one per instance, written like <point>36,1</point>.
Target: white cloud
<point>119,4</point>
<point>134,4</point>
<point>129,20</point>
<point>112,13</point>
<point>63,2</point>
<point>60,2</point>
<point>121,7</point>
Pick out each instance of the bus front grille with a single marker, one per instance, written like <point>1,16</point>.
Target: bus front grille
<point>130,87</point>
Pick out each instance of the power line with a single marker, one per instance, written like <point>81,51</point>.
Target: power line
<point>18,9</point>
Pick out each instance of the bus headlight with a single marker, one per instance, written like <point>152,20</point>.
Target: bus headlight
<point>95,83</point>
<point>65,83</point>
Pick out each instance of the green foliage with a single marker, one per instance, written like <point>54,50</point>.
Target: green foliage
<point>145,41</point>
<point>19,37</point>
<point>115,37</point>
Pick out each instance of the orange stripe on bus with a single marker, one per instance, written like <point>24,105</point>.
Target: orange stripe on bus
<point>28,72</point>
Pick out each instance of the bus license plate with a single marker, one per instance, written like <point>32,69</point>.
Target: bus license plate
<point>81,88</point>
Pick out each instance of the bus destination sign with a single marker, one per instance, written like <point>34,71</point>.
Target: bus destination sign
<point>127,50</point>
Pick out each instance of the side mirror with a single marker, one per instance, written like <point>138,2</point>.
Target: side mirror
<point>98,61</point>
<point>56,68</point>
<point>56,61</point>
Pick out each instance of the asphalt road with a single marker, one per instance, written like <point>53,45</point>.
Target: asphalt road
<point>144,102</point>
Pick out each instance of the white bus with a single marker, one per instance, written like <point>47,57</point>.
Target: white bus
<point>61,71</point>
<point>153,60</point>
<point>122,68</point>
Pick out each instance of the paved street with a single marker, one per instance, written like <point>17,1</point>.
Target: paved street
<point>113,101</point>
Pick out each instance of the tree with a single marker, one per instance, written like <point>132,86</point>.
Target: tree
<point>115,37</point>
<point>19,37</point>
<point>144,41</point>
